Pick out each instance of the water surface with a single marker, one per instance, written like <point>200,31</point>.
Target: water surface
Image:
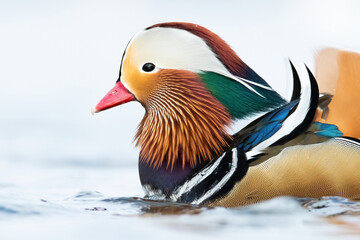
<point>70,201</point>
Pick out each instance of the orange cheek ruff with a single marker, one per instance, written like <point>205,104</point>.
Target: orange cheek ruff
<point>183,122</point>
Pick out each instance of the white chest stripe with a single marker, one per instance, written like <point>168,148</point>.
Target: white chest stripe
<point>223,181</point>
<point>198,178</point>
<point>188,185</point>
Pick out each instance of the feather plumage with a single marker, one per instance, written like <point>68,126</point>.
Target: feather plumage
<point>183,122</point>
<point>196,87</point>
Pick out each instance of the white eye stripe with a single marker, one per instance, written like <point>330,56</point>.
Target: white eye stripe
<point>170,48</point>
<point>174,49</point>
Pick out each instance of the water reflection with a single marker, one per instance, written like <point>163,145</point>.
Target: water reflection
<point>149,207</point>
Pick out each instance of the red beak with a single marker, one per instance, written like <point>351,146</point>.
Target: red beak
<point>116,96</point>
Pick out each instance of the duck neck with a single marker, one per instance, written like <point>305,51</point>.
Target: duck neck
<point>183,128</point>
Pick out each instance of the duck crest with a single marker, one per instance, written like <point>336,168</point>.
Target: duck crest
<point>223,51</point>
<point>183,122</point>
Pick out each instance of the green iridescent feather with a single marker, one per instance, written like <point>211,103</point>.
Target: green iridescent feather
<point>237,98</point>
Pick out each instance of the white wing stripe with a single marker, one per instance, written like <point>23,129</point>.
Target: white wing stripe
<point>296,118</point>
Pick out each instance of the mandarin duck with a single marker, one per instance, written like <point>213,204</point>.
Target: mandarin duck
<point>194,87</point>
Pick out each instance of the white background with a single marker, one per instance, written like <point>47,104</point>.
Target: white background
<point>58,58</point>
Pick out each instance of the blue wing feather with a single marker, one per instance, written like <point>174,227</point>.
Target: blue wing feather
<point>267,126</point>
<point>326,130</point>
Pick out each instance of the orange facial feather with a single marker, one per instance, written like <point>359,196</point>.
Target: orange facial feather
<point>182,122</point>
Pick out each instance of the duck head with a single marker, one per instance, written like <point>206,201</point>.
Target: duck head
<point>193,87</point>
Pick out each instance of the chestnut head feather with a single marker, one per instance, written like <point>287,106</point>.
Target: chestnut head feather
<point>183,122</point>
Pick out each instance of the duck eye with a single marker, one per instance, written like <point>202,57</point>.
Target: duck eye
<point>148,67</point>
